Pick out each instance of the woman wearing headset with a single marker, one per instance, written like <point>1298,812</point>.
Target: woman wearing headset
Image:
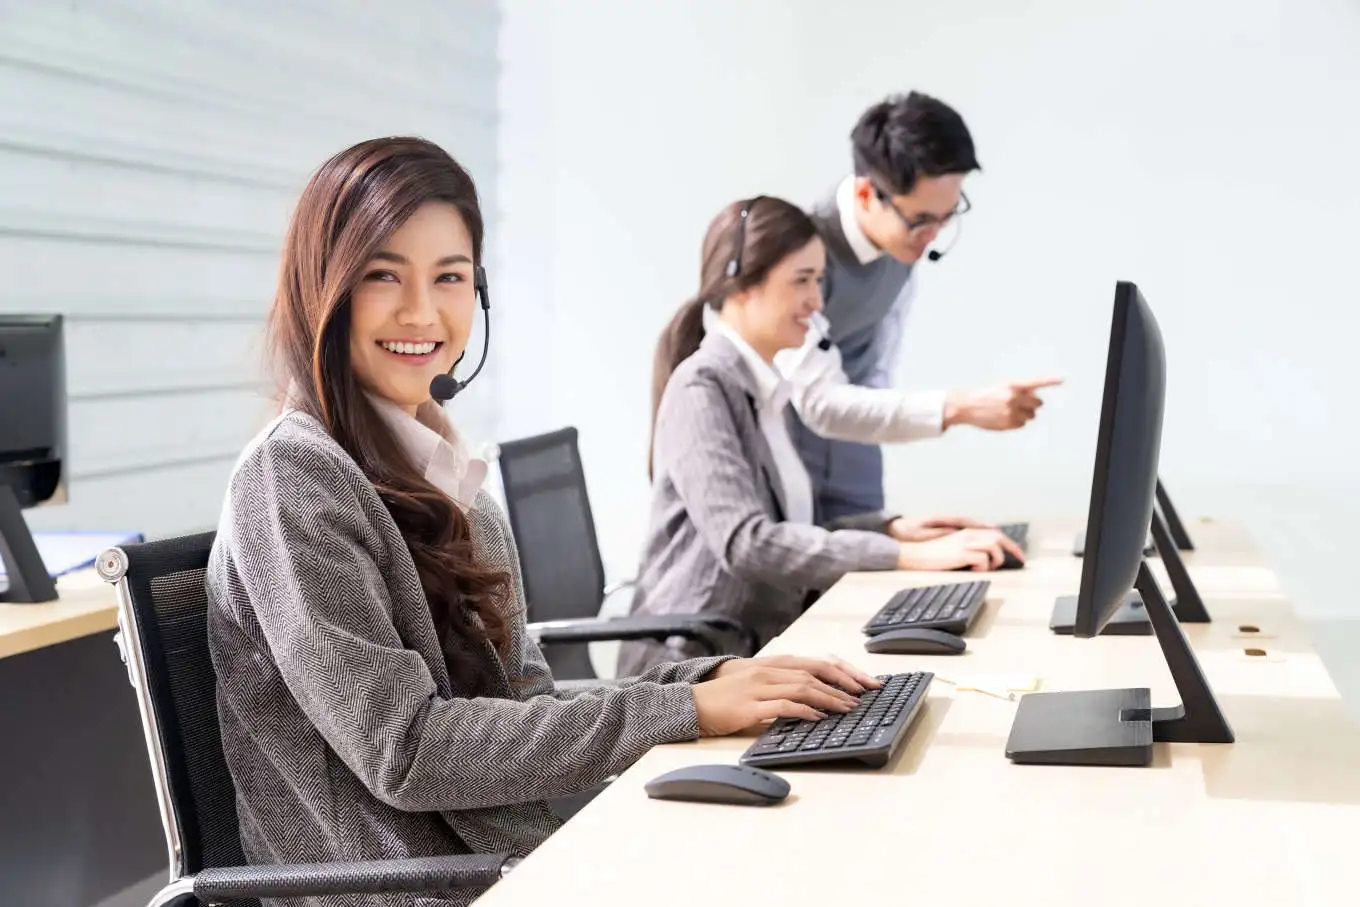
<point>378,695</point>
<point>733,526</point>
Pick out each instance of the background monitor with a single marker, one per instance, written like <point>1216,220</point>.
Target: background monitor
<point>1118,727</point>
<point>32,445</point>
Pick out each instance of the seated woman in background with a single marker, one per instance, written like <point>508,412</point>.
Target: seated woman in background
<point>378,694</point>
<point>733,529</point>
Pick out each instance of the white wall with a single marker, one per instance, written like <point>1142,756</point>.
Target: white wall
<point>1203,149</point>
<point>150,154</point>
<point>625,126</point>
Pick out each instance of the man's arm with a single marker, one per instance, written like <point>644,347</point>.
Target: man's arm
<point>830,406</point>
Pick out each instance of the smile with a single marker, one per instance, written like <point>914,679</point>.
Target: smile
<point>416,348</point>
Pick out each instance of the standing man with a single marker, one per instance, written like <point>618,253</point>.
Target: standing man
<point>911,155</point>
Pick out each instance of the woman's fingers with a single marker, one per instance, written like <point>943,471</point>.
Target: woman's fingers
<point>866,681</point>
<point>1009,544</point>
<point>786,708</point>
<point>813,693</point>
<point>835,672</point>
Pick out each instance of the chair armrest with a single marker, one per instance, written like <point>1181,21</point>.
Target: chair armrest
<point>619,586</point>
<point>422,875</point>
<point>709,631</point>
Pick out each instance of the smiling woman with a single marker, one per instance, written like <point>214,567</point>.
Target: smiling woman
<point>736,528</point>
<point>411,312</point>
<point>379,694</point>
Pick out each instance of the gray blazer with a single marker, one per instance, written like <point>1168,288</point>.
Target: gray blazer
<point>344,736</point>
<point>717,541</point>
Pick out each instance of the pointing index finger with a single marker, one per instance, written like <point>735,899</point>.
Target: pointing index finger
<point>1034,384</point>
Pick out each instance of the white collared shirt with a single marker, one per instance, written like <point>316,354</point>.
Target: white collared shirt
<point>438,451</point>
<point>861,245</point>
<point>772,395</point>
<point>825,400</point>
<point>830,406</point>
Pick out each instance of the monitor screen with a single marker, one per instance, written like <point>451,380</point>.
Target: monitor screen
<point>33,407</point>
<point>1125,479</point>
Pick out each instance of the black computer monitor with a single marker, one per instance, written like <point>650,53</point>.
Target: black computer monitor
<point>32,445</point>
<point>1118,727</point>
<point>1179,536</point>
<point>1166,538</point>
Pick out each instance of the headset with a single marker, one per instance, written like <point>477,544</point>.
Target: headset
<point>734,266</point>
<point>444,387</point>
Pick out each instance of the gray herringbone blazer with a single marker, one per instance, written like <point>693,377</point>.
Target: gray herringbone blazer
<point>717,542</point>
<point>344,736</point>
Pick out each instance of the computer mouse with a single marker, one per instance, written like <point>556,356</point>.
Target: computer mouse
<point>739,785</point>
<point>1008,562</point>
<point>915,641</point>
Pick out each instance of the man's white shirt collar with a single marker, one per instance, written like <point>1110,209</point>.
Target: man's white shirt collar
<point>865,251</point>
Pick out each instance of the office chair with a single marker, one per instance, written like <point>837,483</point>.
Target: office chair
<point>162,615</point>
<point>548,506</point>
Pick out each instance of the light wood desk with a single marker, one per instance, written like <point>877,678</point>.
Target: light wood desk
<point>1269,820</point>
<point>85,604</point>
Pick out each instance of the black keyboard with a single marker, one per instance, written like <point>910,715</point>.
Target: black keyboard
<point>869,733</point>
<point>1018,533</point>
<point>950,607</point>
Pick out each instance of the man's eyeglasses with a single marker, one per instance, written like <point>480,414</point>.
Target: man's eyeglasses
<point>925,221</point>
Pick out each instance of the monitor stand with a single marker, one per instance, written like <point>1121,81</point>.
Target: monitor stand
<point>25,572</point>
<point>1131,619</point>
<point>1173,520</point>
<point>1118,727</point>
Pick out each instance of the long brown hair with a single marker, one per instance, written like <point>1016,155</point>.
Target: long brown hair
<point>350,207</point>
<point>773,230</point>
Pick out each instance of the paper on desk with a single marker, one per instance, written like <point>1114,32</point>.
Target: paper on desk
<point>1003,685</point>
<point>63,552</point>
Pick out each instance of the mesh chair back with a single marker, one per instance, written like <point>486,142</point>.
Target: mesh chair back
<point>549,510</point>
<point>170,607</point>
<point>550,516</point>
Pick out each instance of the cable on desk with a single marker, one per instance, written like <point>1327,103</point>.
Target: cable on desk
<point>1010,695</point>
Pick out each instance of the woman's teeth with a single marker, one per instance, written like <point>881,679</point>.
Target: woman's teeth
<point>409,349</point>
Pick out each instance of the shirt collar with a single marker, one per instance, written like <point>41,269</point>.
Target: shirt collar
<point>771,388</point>
<point>860,244</point>
<point>435,448</point>
<point>431,442</point>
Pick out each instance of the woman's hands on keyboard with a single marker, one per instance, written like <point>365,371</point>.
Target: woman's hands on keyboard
<point>747,691</point>
<point>980,549</point>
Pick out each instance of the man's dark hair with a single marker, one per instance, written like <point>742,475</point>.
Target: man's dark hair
<point>903,138</point>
